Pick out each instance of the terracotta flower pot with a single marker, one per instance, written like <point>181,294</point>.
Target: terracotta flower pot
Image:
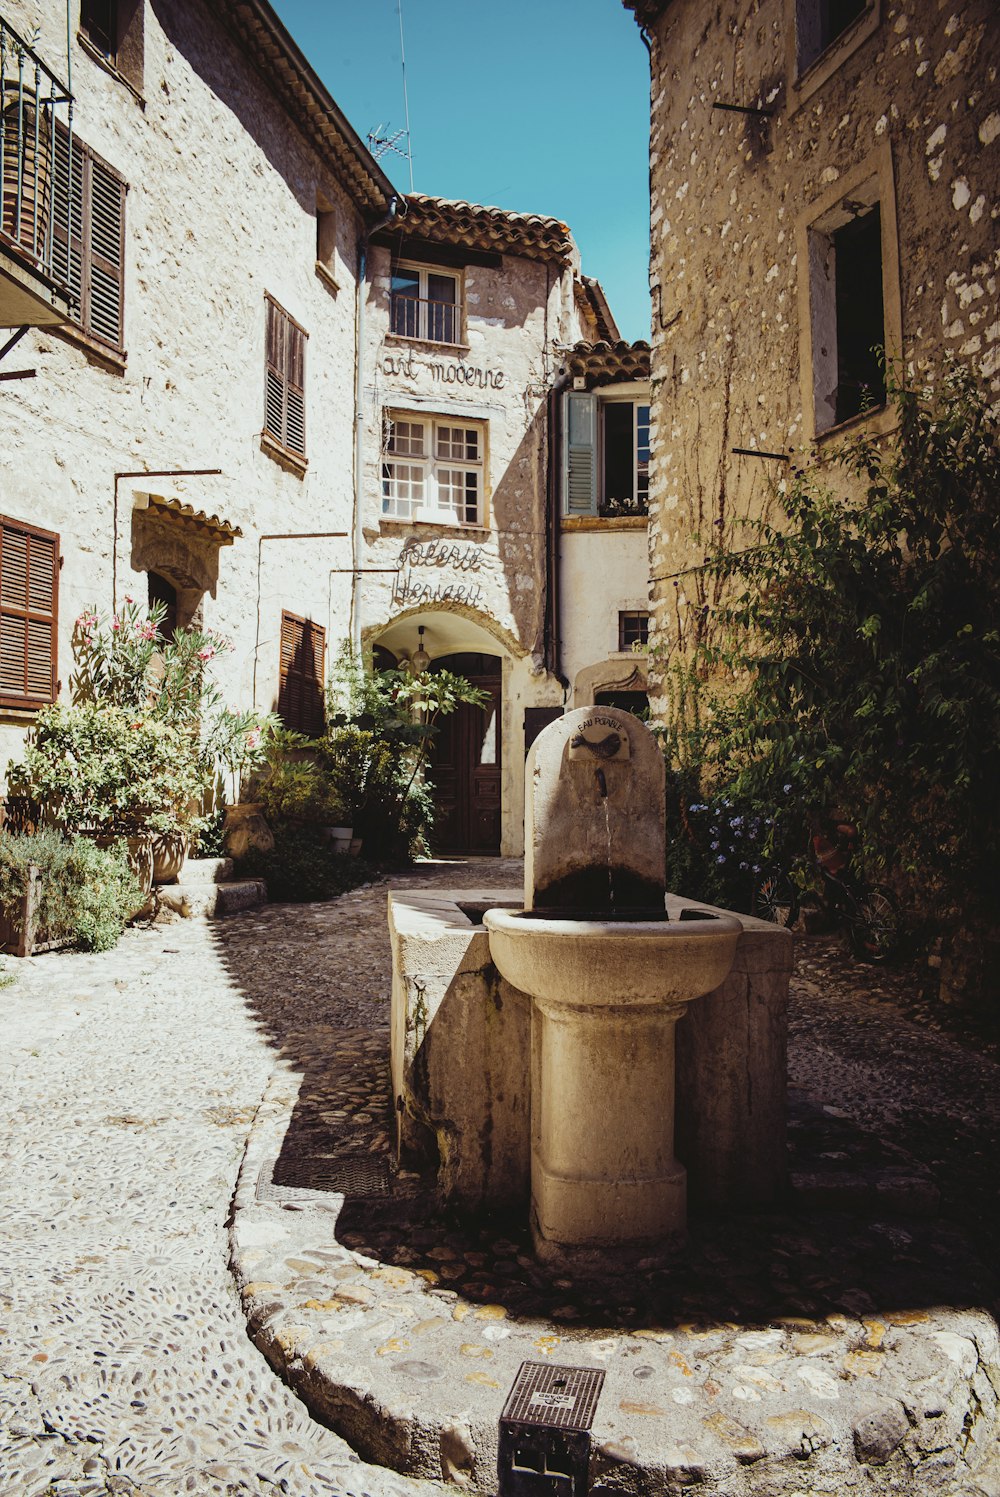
<point>170,849</point>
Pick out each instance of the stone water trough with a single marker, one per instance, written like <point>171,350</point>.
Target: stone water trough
<point>568,1094</point>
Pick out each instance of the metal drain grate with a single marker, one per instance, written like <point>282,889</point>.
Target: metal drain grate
<point>544,1448</point>
<point>310,1177</point>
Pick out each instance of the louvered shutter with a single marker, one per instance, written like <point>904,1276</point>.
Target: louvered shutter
<point>580,455</point>
<point>285,383</point>
<point>300,689</point>
<point>29,596</point>
<point>89,239</point>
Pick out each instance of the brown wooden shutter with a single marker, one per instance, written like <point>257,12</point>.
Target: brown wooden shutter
<point>89,239</point>
<point>285,385</point>
<point>29,614</point>
<point>300,688</point>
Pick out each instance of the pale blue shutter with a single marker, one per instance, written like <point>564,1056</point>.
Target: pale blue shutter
<point>580,455</point>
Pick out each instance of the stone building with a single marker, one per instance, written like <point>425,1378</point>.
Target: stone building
<point>823,182</point>
<point>288,402</point>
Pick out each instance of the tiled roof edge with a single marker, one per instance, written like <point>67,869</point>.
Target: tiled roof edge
<point>476,225</point>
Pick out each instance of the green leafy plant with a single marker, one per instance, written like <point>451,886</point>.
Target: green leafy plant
<point>854,657</point>
<point>302,867</point>
<point>87,892</point>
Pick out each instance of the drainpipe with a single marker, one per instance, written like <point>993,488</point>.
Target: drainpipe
<point>553,536</point>
<point>359,368</point>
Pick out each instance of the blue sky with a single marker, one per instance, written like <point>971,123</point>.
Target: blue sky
<point>536,105</point>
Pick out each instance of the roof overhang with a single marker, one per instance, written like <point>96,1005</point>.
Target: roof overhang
<point>195,523</point>
<point>607,363</point>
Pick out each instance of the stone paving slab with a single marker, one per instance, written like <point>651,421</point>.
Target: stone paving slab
<point>802,1351</point>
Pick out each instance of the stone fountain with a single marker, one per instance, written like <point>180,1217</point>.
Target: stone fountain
<point>609,974</point>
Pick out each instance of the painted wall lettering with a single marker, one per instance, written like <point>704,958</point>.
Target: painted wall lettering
<point>442,372</point>
<point>441,553</point>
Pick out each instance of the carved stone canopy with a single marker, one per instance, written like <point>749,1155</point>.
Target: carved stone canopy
<point>179,542</point>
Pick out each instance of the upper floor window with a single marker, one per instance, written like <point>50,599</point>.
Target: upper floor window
<point>115,28</point>
<point>29,614</point>
<point>605,456</point>
<point>433,470</point>
<point>88,252</point>
<point>819,23</point>
<point>425,304</point>
<point>847,312</point>
<point>285,380</point>
<point>633,629</point>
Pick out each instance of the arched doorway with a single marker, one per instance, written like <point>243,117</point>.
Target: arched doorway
<point>465,761</point>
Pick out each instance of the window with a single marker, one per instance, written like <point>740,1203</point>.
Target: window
<point>433,470</point>
<point>29,614</point>
<point>88,252</point>
<point>300,686</point>
<point>633,630</point>
<point>848,320</point>
<point>818,24</point>
<point>425,304</point>
<point>326,242</point>
<point>285,384</point>
<point>606,456</point>
<point>115,29</point>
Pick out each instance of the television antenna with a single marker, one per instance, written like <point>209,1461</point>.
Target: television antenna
<point>380,140</point>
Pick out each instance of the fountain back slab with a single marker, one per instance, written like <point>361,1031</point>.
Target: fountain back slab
<point>595,816</point>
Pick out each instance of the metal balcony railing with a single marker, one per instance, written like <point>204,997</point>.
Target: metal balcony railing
<point>34,106</point>
<point>419,317</point>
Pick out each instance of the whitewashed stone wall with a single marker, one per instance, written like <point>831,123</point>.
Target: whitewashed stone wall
<point>220,209</point>
<point>919,97</point>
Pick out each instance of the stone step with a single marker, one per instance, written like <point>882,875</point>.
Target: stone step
<point>206,900</point>
<point>206,871</point>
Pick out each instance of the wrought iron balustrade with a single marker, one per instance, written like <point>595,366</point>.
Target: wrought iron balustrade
<point>420,317</point>
<point>34,106</point>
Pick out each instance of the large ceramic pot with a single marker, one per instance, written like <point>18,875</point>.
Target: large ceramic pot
<point>244,828</point>
<point>170,849</point>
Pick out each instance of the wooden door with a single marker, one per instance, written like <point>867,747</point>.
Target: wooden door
<point>466,763</point>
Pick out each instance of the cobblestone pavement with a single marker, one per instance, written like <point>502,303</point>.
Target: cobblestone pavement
<point>129,1084</point>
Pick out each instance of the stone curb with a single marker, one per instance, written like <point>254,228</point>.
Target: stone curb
<point>415,1377</point>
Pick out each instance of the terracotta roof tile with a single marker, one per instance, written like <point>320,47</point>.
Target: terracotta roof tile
<point>448,221</point>
<point>607,363</point>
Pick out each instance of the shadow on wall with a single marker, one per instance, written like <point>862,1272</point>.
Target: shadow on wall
<point>316,980</point>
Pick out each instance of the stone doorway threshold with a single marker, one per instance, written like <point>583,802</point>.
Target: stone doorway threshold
<point>809,1349</point>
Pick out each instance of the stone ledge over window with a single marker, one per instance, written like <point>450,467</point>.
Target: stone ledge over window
<point>880,421</point>
<point>112,359</point>
<point>599,522</point>
<point>428,345</point>
<point>430,529</point>
<point>293,461</point>
<point>96,55</point>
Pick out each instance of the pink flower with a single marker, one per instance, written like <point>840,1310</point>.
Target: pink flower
<point>116,622</point>
<point>208,653</point>
<point>253,738</point>
<point>129,598</point>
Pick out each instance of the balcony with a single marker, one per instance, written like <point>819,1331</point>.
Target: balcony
<point>419,317</point>
<point>34,106</point>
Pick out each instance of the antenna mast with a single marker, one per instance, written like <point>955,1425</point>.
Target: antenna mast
<point>379,139</point>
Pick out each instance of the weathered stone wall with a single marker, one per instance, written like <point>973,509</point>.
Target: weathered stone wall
<point>916,103</point>
<point>220,208</point>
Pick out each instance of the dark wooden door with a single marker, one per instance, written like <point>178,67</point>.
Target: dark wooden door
<point>466,763</point>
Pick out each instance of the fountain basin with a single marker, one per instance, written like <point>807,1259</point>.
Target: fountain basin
<point>597,963</point>
<point>607,996</point>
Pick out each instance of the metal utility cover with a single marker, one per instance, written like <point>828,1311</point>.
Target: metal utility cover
<point>554,1397</point>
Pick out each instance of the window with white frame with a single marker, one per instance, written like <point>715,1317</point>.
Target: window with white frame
<point>433,469</point>
<point>605,455</point>
<point>425,303</point>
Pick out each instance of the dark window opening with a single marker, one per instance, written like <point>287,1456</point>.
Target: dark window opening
<point>162,591</point>
<point>836,16</point>
<point>857,249</point>
<point>636,702</point>
<point>633,629</point>
<point>820,22</point>
<point>99,23</point>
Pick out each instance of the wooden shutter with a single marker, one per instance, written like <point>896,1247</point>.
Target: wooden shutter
<point>89,239</point>
<point>580,455</point>
<point>300,688</point>
<point>285,385</point>
<point>29,614</point>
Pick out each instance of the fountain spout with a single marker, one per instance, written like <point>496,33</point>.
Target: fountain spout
<point>602,784</point>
